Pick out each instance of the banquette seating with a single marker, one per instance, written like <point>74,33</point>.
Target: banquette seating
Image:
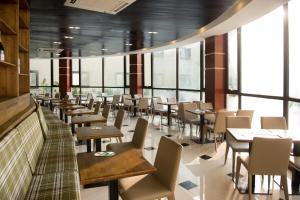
<point>38,160</point>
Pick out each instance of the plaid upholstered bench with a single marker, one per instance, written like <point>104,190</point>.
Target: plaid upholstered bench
<point>38,162</point>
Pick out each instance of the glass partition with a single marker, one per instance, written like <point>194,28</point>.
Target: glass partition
<point>232,60</point>
<point>40,72</point>
<point>188,96</point>
<point>91,72</point>
<point>114,71</point>
<point>147,69</point>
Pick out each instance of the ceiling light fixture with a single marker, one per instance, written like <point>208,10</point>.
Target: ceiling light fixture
<point>104,49</point>
<point>152,32</point>
<point>68,37</point>
<point>74,27</point>
<point>128,44</point>
<point>57,54</point>
<point>56,42</point>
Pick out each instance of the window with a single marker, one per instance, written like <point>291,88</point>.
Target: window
<point>91,72</point>
<point>189,96</point>
<point>189,67</point>
<point>232,60</point>
<point>164,94</point>
<point>40,72</point>
<point>294,115</point>
<point>262,107</point>
<point>147,69</point>
<point>127,71</point>
<point>164,69</point>
<point>55,71</point>
<point>114,71</point>
<point>232,101</point>
<point>114,91</point>
<point>294,43</point>
<point>75,72</point>
<point>262,55</point>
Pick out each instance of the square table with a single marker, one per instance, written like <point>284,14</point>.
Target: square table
<point>97,133</point>
<point>124,164</point>
<point>169,104</point>
<point>77,112</point>
<point>87,120</point>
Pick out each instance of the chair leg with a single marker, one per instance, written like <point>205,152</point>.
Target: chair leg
<point>215,141</point>
<point>226,152</point>
<point>238,168</point>
<point>250,185</point>
<point>285,187</point>
<point>171,197</point>
<point>120,139</point>
<point>233,163</point>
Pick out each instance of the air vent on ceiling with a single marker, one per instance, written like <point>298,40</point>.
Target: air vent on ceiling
<point>46,52</point>
<point>104,6</point>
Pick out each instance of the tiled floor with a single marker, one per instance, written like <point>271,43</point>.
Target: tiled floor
<point>205,179</point>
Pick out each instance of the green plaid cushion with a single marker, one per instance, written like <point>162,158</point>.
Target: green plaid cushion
<point>32,139</point>
<point>52,120</point>
<point>57,156</point>
<point>42,121</point>
<point>59,126</point>
<point>15,174</point>
<point>57,186</point>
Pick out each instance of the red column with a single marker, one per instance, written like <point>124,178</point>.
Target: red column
<point>215,70</point>
<point>64,75</point>
<point>136,73</point>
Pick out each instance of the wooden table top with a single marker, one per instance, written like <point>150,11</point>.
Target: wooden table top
<point>73,107</point>
<point>87,119</point>
<point>96,132</point>
<point>79,112</point>
<point>94,169</point>
<point>247,135</point>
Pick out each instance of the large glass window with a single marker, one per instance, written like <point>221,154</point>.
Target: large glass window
<point>55,71</point>
<point>262,107</point>
<point>91,72</point>
<point>232,101</point>
<point>232,60</point>
<point>127,70</point>
<point>147,69</point>
<point>114,71</point>
<point>75,71</point>
<point>40,72</point>
<point>188,96</point>
<point>294,115</point>
<point>164,94</point>
<point>262,55</point>
<point>189,66</point>
<point>294,43</point>
<point>164,69</point>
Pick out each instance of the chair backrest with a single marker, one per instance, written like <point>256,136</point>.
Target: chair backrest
<point>265,159</point>
<point>205,106</point>
<point>119,119</point>
<point>97,107</point>
<point>238,122</point>
<point>126,100</point>
<point>155,104</point>
<point>57,95</point>
<point>105,111</point>
<point>167,163</point>
<point>47,95</point>
<point>66,97</point>
<point>220,122</point>
<point>181,111</point>
<point>91,103</point>
<point>143,103</point>
<point>140,133</point>
<point>246,113</point>
<point>188,115</point>
<point>137,96</point>
<point>77,100</point>
<point>116,99</point>
<point>273,123</point>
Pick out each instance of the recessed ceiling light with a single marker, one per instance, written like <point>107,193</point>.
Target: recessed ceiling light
<point>128,44</point>
<point>56,42</point>
<point>74,27</point>
<point>104,49</point>
<point>57,54</point>
<point>68,37</point>
<point>152,32</point>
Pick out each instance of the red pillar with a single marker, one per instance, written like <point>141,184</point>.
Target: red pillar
<point>215,70</point>
<point>136,73</point>
<point>64,75</point>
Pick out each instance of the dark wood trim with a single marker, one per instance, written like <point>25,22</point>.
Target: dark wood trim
<point>103,65</point>
<point>125,73</point>
<point>226,68</point>
<point>202,59</point>
<point>177,72</point>
<point>286,63</point>
<point>151,73</point>
<point>239,66</point>
<point>261,96</point>
<point>51,72</point>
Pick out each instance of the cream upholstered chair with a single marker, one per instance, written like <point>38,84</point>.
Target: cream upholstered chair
<point>273,123</point>
<point>219,127</point>
<point>264,159</point>
<point>157,108</point>
<point>90,104</point>
<point>208,117</point>
<point>127,103</point>
<point>159,184</point>
<point>236,122</point>
<point>97,107</point>
<point>115,103</point>
<point>143,106</point>
<point>138,138</point>
<point>119,121</point>
<point>188,117</point>
<point>105,113</point>
<point>246,113</point>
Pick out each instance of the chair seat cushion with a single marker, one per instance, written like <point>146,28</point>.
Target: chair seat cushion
<point>64,186</point>
<point>58,131</point>
<point>57,156</point>
<point>142,188</point>
<point>239,146</point>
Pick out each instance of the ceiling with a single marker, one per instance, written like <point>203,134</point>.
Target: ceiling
<point>172,19</point>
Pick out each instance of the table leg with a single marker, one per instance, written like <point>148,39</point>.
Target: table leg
<point>88,146</point>
<point>66,118</point>
<point>134,108</point>
<point>51,106</point>
<point>202,138</point>
<point>60,114</point>
<point>73,128</point>
<point>104,101</point>
<point>169,116</point>
<point>113,190</point>
<point>98,144</point>
<point>295,183</point>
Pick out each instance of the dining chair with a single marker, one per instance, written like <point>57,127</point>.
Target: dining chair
<point>264,159</point>
<point>143,106</point>
<point>247,113</point>
<point>77,100</point>
<point>236,122</point>
<point>119,121</point>
<point>97,107</point>
<point>137,141</point>
<point>90,104</point>
<point>173,100</point>
<point>219,127</point>
<point>209,118</point>
<point>158,108</point>
<point>190,118</point>
<point>162,182</point>
<point>115,103</point>
<point>128,104</point>
<point>273,123</point>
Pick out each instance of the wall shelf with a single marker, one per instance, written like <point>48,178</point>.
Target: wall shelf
<point>5,28</point>
<point>22,23</point>
<point>6,64</point>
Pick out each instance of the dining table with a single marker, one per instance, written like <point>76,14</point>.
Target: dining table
<point>86,120</point>
<point>169,105</point>
<point>105,97</point>
<point>247,135</point>
<point>97,133</point>
<point>96,169</point>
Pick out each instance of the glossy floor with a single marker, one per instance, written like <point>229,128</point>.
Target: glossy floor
<point>204,179</point>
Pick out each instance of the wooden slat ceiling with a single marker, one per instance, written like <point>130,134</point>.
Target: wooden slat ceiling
<point>172,19</point>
